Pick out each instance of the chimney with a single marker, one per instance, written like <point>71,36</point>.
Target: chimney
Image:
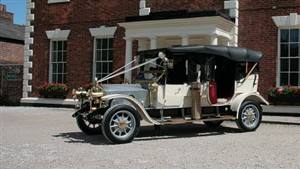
<point>2,8</point>
<point>143,9</point>
<point>5,16</point>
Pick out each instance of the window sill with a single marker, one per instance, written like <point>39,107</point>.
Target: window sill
<point>57,1</point>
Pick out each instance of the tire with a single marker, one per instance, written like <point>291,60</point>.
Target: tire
<point>120,124</point>
<point>213,124</point>
<point>89,127</point>
<point>249,116</point>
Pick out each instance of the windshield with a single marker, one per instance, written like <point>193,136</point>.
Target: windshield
<point>154,71</point>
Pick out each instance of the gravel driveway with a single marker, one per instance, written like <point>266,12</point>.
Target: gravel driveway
<point>42,138</point>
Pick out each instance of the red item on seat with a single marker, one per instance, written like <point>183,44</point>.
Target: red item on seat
<point>213,92</point>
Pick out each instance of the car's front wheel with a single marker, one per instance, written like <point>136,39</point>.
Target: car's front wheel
<point>249,116</point>
<point>120,124</point>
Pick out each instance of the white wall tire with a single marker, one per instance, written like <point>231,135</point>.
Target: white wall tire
<point>249,116</point>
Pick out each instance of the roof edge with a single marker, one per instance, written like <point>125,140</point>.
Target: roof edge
<point>165,15</point>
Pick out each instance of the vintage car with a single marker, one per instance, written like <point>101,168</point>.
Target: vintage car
<point>177,85</point>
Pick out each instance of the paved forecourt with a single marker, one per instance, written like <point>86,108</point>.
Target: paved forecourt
<point>49,138</point>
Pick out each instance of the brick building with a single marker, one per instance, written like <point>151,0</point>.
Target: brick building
<point>11,58</point>
<point>74,41</point>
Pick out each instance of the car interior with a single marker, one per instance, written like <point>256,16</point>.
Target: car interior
<point>220,72</point>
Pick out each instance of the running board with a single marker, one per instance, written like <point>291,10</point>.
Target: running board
<point>183,121</point>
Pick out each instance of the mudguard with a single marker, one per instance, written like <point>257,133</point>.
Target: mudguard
<point>236,102</point>
<point>135,103</point>
<point>84,108</point>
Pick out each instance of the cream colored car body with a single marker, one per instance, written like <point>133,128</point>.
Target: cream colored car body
<point>179,96</point>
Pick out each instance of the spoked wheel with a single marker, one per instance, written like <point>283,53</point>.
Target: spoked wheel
<point>213,124</point>
<point>120,124</point>
<point>90,126</point>
<point>250,115</point>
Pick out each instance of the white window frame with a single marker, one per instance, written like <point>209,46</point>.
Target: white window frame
<point>288,57</point>
<point>291,21</point>
<point>102,32</point>
<point>55,35</point>
<point>50,62</point>
<point>95,55</point>
<point>57,1</point>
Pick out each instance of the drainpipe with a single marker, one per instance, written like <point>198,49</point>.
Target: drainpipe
<point>143,9</point>
<point>233,7</point>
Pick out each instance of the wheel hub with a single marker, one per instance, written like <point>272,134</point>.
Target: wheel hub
<point>249,115</point>
<point>122,124</point>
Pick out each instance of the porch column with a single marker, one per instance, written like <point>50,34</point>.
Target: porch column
<point>128,58</point>
<point>184,40</point>
<point>153,42</point>
<point>227,43</point>
<point>214,39</point>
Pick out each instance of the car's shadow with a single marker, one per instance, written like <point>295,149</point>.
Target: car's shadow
<point>79,137</point>
<point>150,133</point>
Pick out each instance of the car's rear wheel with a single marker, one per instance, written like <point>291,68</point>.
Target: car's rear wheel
<point>213,124</point>
<point>249,116</point>
<point>120,124</point>
<point>89,126</point>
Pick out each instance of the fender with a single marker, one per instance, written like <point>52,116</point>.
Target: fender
<point>84,108</point>
<point>135,103</point>
<point>236,102</point>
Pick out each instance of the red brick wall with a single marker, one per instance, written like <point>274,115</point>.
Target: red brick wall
<point>11,52</point>
<point>11,90</point>
<point>258,31</point>
<point>78,16</point>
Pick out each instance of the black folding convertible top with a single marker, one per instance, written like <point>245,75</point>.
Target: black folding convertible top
<point>236,54</point>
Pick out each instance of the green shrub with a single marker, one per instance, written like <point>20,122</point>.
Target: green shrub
<point>53,90</point>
